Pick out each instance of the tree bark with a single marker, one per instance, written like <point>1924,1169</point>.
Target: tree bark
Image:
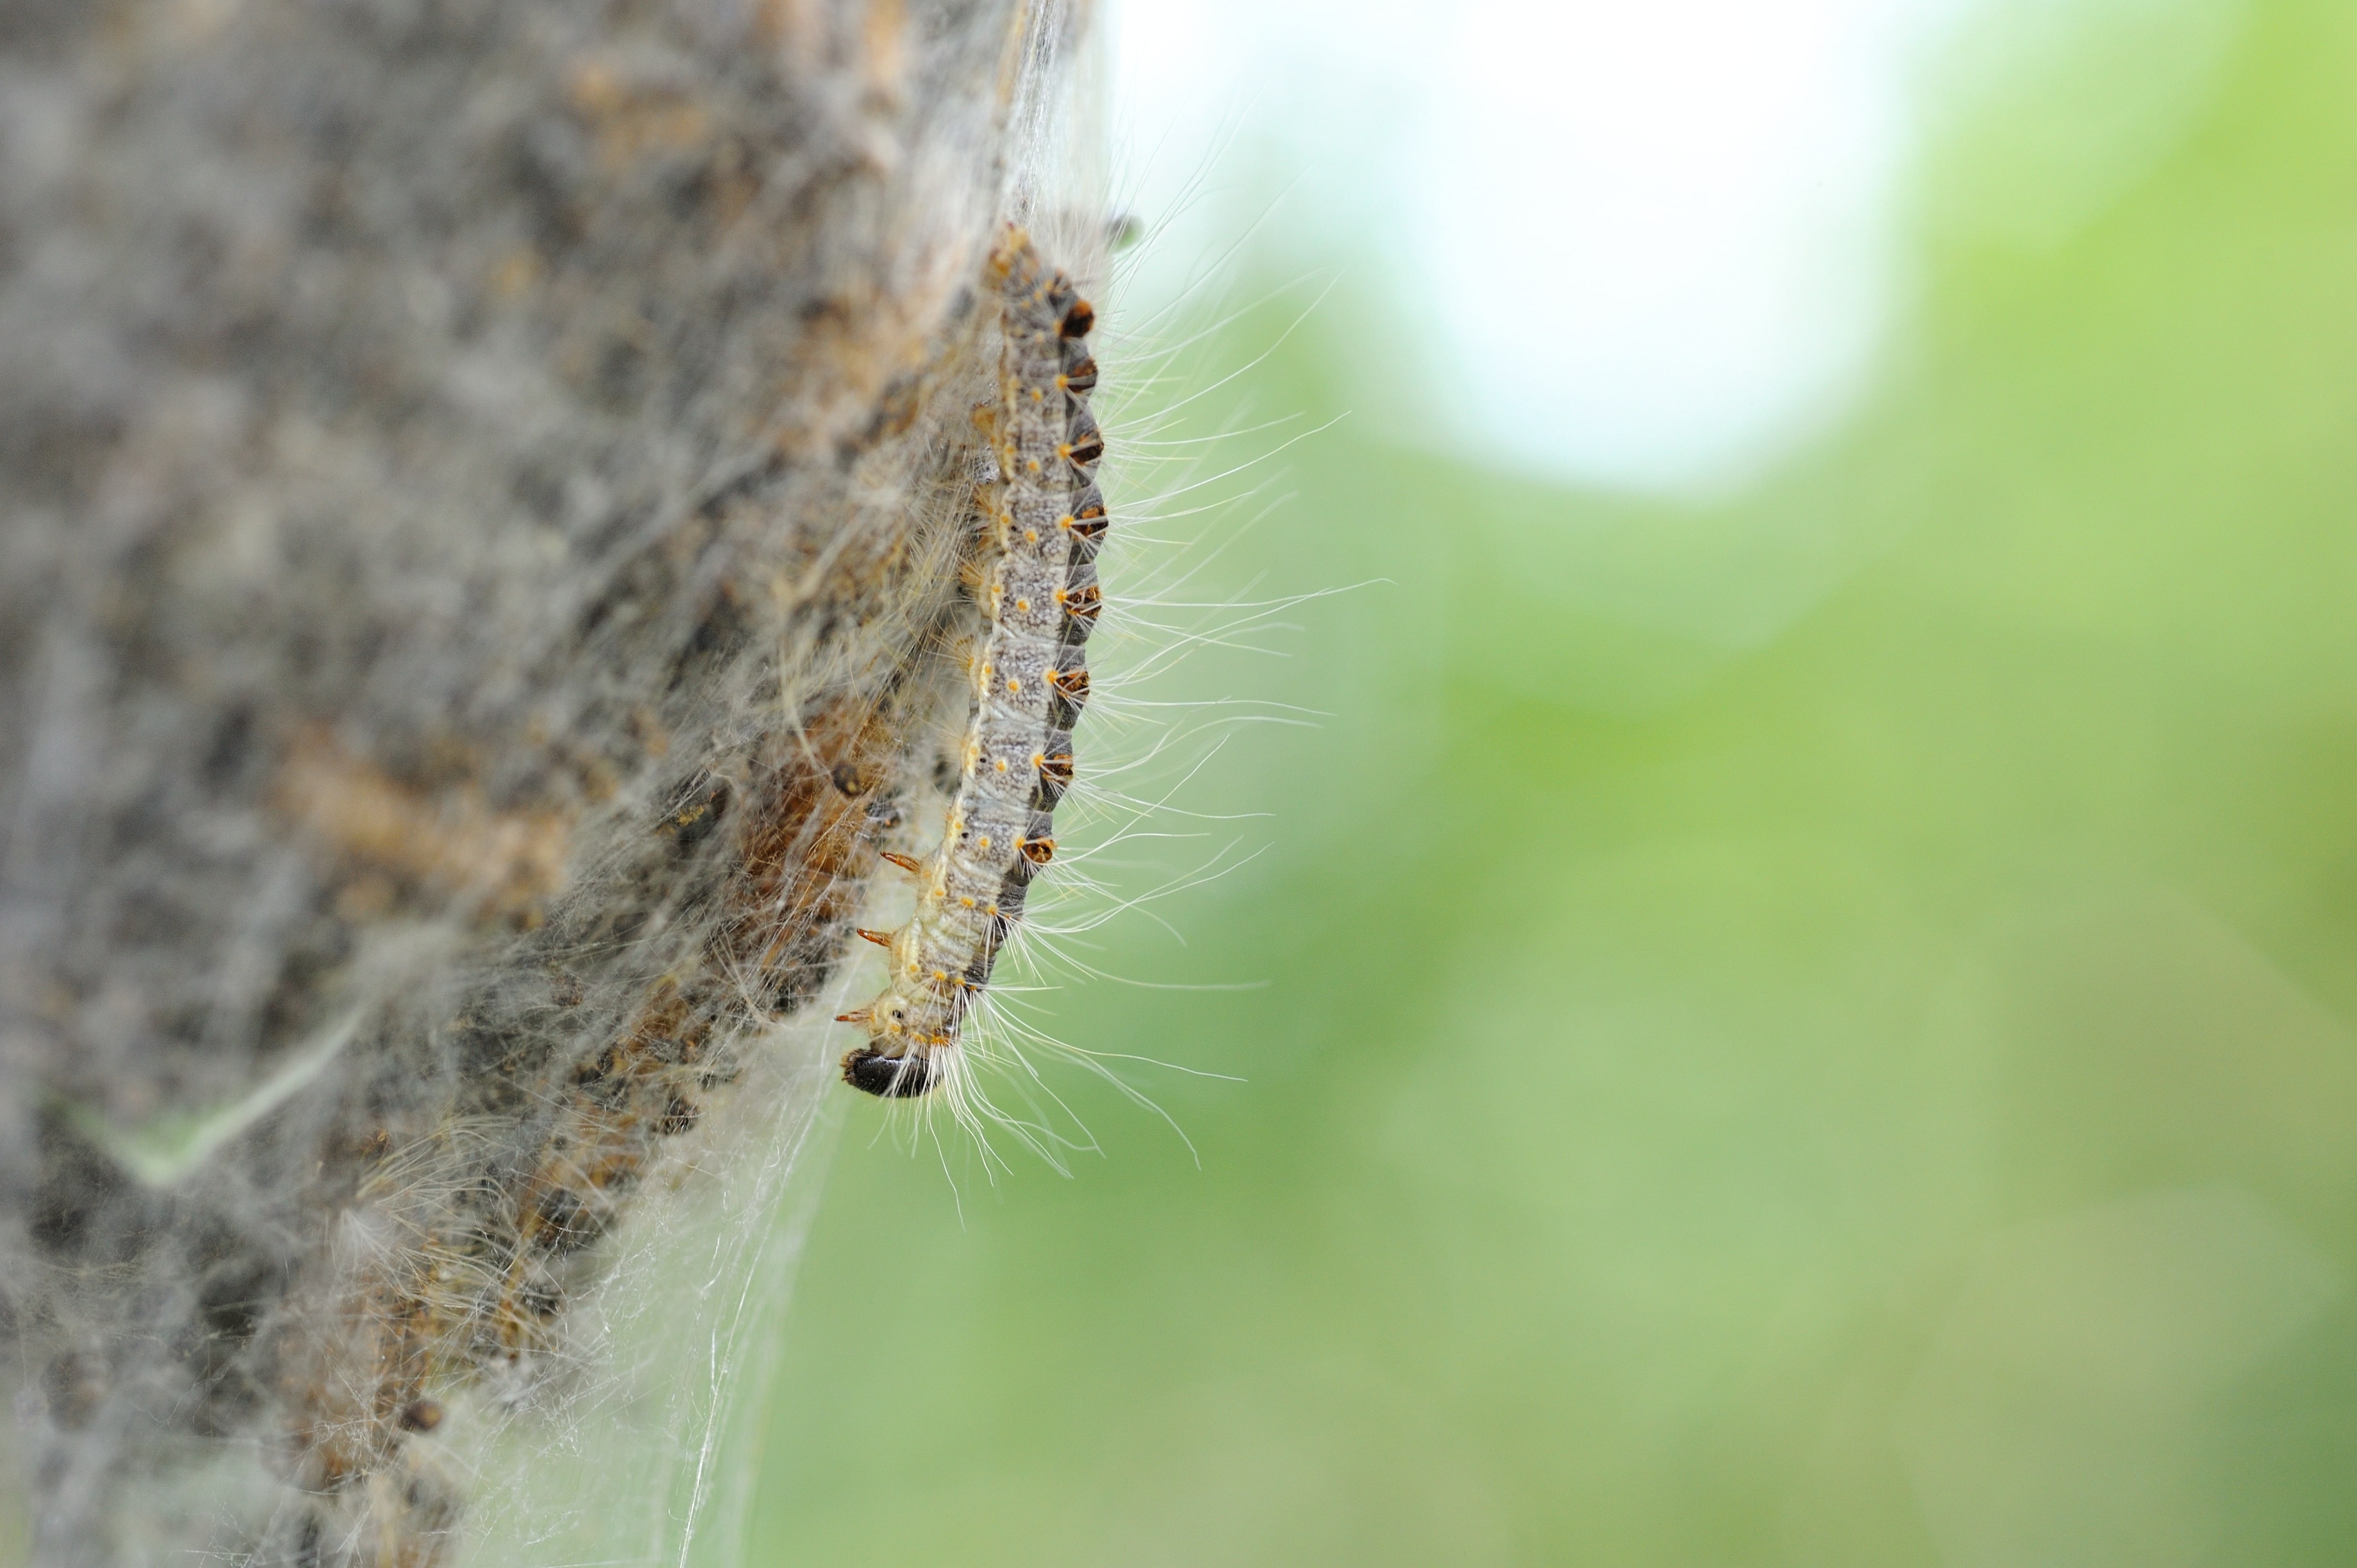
<point>483,481</point>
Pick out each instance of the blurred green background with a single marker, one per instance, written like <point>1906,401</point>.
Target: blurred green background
<point>1811,1028</point>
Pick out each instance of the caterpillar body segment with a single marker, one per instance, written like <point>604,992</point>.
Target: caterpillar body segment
<point>1043,522</point>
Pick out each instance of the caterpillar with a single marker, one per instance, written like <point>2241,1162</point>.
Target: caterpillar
<point>1043,521</point>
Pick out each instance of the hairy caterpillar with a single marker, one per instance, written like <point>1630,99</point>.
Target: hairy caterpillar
<point>1044,521</point>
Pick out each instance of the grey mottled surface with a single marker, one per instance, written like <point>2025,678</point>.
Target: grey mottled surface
<point>478,481</point>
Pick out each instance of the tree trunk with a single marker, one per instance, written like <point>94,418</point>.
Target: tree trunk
<point>484,485</point>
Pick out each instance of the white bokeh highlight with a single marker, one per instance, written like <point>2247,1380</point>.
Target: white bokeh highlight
<point>1641,247</point>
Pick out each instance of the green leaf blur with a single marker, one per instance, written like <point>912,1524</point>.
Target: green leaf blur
<point>1812,1029</point>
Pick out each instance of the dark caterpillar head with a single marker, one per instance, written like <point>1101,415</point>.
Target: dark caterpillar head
<point>870,1071</point>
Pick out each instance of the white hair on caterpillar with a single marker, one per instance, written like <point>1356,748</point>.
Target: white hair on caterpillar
<point>984,1041</point>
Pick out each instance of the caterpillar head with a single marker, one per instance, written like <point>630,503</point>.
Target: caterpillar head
<point>869,1070</point>
<point>895,1063</point>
